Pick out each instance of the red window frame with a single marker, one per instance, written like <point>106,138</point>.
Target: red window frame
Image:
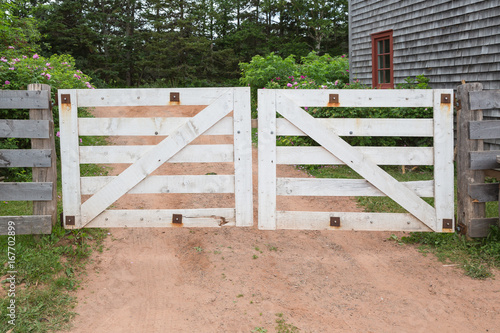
<point>382,60</point>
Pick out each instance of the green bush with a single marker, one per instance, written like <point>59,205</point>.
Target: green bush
<point>17,71</point>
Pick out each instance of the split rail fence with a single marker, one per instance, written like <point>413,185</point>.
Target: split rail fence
<point>473,162</point>
<point>41,158</point>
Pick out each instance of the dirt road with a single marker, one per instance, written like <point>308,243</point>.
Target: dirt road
<point>237,279</point>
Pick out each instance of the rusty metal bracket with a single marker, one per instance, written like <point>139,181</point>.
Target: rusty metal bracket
<point>65,99</point>
<point>334,98</point>
<point>447,223</point>
<point>177,218</point>
<point>445,98</point>
<point>334,221</point>
<point>174,97</point>
<point>70,220</point>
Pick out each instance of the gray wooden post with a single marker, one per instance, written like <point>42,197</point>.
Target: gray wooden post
<point>467,209</point>
<point>45,174</point>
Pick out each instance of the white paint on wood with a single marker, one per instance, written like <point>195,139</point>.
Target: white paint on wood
<point>131,154</point>
<point>37,129</point>
<point>147,97</point>
<point>443,159</point>
<point>360,97</point>
<point>349,221</point>
<point>144,126</point>
<point>267,159</point>
<point>378,155</point>
<point>243,196</point>
<point>365,127</point>
<point>343,187</point>
<point>156,156</point>
<point>167,184</point>
<point>160,218</point>
<point>355,160</point>
<point>70,161</point>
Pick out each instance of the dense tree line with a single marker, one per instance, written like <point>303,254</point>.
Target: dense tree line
<point>182,42</point>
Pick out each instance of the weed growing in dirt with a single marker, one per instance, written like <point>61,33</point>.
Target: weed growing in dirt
<point>198,249</point>
<point>255,256</point>
<point>283,326</point>
<point>475,256</point>
<point>259,330</point>
<point>48,268</point>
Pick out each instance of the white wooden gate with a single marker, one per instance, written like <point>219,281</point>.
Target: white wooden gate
<point>137,178</point>
<point>364,160</point>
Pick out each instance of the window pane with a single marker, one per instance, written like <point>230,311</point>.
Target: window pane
<point>380,47</point>
<point>386,46</point>
<point>387,75</point>
<point>380,76</point>
<point>387,61</point>
<point>380,61</point>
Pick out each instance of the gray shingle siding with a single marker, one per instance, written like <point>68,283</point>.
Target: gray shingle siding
<point>446,40</point>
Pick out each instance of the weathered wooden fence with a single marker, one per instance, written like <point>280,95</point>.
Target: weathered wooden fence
<point>41,158</point>
<point>364,160</point>
<point>473,162</point>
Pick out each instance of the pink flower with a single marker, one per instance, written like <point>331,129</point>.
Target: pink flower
<point>343,56</point>
<point>289,85</point>
<point>12,68</point>
<point>3,59</point>
<point>35,56</point>
<point>24,57</point>
<point>302,77</point>
<point>58,134</point>
<point>11,47</point>
<point>7,82</point>
<point>47,64</point>
<point>48,76</point>
<point>81,140</point>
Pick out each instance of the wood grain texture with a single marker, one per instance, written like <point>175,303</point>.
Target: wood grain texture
<point>466,208</point>
<point>484,192</point>
<point>26,191</point>
<point>267,159</point>
<point>144,126</point>
<point>481,160</point>
<point>23,99</point>
<point>484,100</point>
<point>349,221</point>
<point>243,183</point>
<point>26,225</point>
<point>480,227</point>
<point>206,217</point>
<point>29,158</point>
<point>365,127</point>
<point>486,129</point>
<point>343,187</point>
<point>38,129</point>
<point>45,174</point>
<point>131,154</point>
<point>378,155</point>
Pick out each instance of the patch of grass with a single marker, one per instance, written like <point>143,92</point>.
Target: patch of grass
<point>475,256</point>
<point>255,256</point>
<point>259,330</point>
<point>284,327</point>
<point>49,268</point>
<point>198,248</point>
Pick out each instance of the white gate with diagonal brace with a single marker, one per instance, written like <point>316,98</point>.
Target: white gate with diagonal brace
<point>364,160</point>
<point>137,178</point>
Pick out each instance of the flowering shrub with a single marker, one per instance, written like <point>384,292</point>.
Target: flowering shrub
<point>18,70</point>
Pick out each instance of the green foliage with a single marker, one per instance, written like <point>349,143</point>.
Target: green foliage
<point>15,31</point>
<point>284,327</point>
<point>475,256</point>
<point>48,269</point>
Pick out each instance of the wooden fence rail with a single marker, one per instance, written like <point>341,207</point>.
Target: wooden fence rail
<point>473,163</point>
<point>41,158</point>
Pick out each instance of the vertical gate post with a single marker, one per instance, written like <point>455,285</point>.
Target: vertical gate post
<point>70,158</point>
<point>466,208</point>
<point>45,174</point>
<point>443,160</point>
<point>243,198</point>
<point>267,159</point>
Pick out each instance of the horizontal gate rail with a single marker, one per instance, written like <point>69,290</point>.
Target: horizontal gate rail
<point>41,158</point>
<point>176,135</point>
<point>364,160</point>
